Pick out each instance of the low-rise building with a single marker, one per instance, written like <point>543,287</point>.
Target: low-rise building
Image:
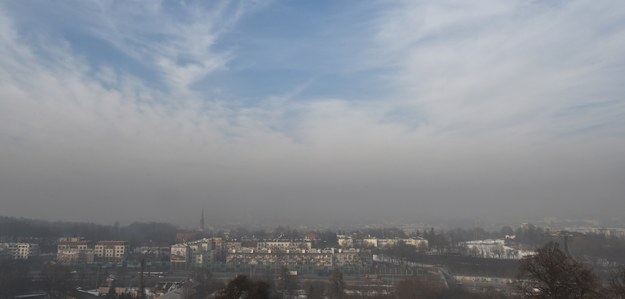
<point>313,257</point>
<point>345,241</point>
<point>75,256</point>
<point>154,252</point>
<point>204,251</point>
<point>284,245</point>
<point>417,242</point>
<point>72,243</point>
<point>352,256</point>
<point>71,251</point>
<point>386,243</point>
<point>179,256</point>
<point>369,242</point>
<point>495,249</point>
<point>312,236</point>
<point>111,250</point>
<point>250,256</point>
<point>23,251</point>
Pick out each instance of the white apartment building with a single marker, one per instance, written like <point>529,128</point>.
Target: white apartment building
<point>345,241</point>
<point>71,251</point>
<point>197,253</point>
<point>115,250</point>
<point>23,251</point>
<point>71,243</point>
<point>284,245</point>
<point>417,242</point>
<point>386,243</point>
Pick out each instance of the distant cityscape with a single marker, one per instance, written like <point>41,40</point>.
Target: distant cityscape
<point>479,261</point>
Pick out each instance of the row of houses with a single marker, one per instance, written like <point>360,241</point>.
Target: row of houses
<point>331,257</point>
<point>607,232</point>
<point>381,243</point>
<point>78,251</point>
<point>70,250</point>
<point>207,251</point>
<point>494,249</point>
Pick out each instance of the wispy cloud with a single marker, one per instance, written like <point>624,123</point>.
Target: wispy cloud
<point>508,66</point>
<point>483,97</point>
<point>177,40</point>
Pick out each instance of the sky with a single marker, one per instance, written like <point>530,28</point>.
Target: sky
<point>312,112</point>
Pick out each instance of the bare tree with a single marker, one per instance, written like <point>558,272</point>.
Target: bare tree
<point>243,287</point>
<point>550,273</point>
<point>287,283</point>
<point>315,289</point>
<point>498,251</point>
<point>336,285</point>
<point>206,283</point>
<point>13,278</point>
<point>617,284</point>
<point>57,279</point>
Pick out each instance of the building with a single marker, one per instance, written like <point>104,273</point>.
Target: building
<point>369,242</point>
<point>75,256</point>
<point>386,243</point>
<point>219,246</point>
<point>157,253</point>
<point>284,245</point>
<point>352,256</point>
<point>71,251</point>
<point>71,243</point>
<point>417,242</point>
<point>202,252</point>
<point>251,256</point>
<point>312,236</point>
<point>495,249</point>
<point>179,257</point>
<point>198,253</point>
<point>23,251</point>
<point>345,241</point>
<point>111,250</point>
<point>301,257</point>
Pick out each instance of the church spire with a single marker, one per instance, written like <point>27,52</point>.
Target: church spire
<point>202,221</point>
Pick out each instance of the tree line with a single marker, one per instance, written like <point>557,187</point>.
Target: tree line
<point>47,232</point>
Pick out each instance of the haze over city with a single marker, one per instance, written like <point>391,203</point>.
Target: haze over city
<point>308,112</point>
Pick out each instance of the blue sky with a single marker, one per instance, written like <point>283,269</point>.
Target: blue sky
<point>177,105</point>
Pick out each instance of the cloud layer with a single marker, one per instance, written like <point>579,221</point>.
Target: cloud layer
<point>115,111</point>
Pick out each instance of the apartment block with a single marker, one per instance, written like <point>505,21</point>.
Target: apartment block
<point>111,250</point>
<point>72,251</point>
<point>23,251</point>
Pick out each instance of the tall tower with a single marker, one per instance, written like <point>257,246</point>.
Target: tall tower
<point>202,221</point>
